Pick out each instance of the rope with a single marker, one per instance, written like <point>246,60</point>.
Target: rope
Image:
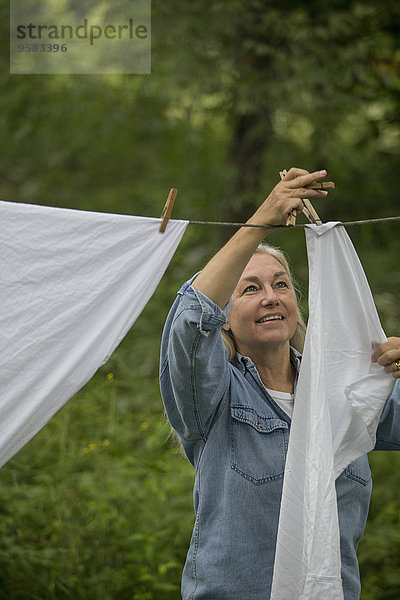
<point>344,223</point>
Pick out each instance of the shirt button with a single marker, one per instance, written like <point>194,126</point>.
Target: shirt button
<point>259,425</point>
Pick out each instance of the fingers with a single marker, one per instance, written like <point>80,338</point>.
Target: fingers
<point>387,352</point>
<point>303,192</point>
<point>300,177</point>
<point>295,172</point>
<point>388,356</point>
<point>296,180</point>
<point>297,206</point>
<point>394,369</point>
<point>287,196</point>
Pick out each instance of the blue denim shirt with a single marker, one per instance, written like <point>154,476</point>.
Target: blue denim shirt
<point>236,437</point>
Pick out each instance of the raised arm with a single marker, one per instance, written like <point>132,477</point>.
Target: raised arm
<point>220,276</point>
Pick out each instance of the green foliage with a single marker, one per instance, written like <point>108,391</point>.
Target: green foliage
<point>98,505</point>
<point>379,551</point>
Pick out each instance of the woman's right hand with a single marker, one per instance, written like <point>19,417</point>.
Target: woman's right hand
<point>287,196</point>
<point>219,277</point>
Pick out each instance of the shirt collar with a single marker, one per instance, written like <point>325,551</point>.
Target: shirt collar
<point>244,363</point>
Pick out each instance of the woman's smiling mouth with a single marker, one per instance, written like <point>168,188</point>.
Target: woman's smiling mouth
<point>274,317</point>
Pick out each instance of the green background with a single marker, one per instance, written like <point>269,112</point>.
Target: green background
<point>98,505</point>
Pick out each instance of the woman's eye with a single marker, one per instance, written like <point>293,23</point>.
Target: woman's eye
<point>282,284</point>
<point>250,288</point>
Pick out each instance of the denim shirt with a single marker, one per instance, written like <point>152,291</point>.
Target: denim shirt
<point>236,437</point>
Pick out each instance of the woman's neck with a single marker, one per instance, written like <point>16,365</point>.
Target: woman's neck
<point>276,369</point>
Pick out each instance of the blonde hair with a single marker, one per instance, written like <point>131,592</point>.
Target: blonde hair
<point>297,340</point>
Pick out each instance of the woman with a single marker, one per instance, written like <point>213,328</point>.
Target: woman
<point>231,409</point>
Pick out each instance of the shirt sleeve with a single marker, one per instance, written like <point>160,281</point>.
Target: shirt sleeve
<point>388,431</point>
<point>194,367</point>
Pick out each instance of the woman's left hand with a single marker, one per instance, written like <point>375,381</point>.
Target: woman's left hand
<point>388,355</point>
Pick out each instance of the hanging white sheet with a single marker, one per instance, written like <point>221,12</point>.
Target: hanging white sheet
<point>340,396</point>
<point>72,283</point>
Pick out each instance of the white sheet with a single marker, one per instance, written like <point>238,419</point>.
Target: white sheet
<point>340,396</point>
<point>72,283</point>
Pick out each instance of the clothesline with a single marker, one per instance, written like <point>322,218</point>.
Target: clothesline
<point>308,210</point>
<point>301,225</point>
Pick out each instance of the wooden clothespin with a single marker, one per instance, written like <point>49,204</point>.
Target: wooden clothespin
<point>291,219</point>
<point>308,209</point>
<point>310,212</point>
<point>169,205</point>
<point>321,185</point>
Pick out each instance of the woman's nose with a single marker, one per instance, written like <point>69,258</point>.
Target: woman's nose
<point>269,297</point>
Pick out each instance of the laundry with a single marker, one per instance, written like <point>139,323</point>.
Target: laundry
<point>72,283</point>
<point>339,398</point>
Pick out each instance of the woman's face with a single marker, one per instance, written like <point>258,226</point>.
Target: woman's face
<point>264,307</point>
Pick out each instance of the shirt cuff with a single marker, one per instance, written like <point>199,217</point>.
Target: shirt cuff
<point>212,316</point>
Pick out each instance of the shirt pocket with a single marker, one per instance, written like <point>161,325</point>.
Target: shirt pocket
<point>359,470</point>
<point>258,445</point>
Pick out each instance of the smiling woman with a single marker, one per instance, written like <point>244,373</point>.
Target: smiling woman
<point>251,286</point>
<point>232,410</point>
